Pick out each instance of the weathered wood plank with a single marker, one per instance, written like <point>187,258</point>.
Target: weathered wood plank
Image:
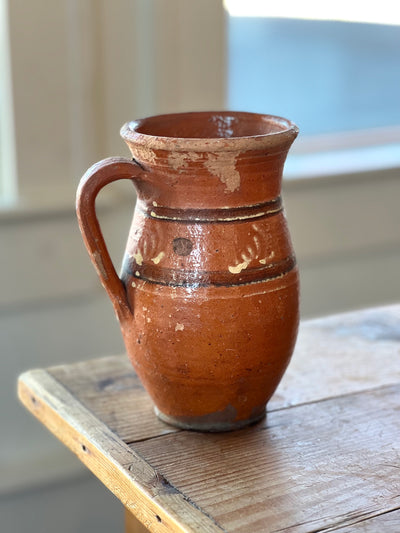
<point>110,389</point>
<point>384,523</point>
<point>142,490</point>
<point>315,464</point>
<point>319,465</point>
<point>334,356</point>
<point>342,354</point>
<point>132,524</point>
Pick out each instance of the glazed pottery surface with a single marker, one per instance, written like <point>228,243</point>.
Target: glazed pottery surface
<point>208,295</point>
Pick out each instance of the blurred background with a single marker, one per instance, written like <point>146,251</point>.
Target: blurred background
<point>71,73</point>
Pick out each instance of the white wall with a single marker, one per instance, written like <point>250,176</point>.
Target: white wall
<point>346,231</point>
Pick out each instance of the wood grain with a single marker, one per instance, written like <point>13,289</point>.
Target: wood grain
<point>327,457</point>
<point>342,354</point>
<point>142,490</point>
<point>132,524</point>
<point>110,389</point>
<point>321,464</point>
<point>384,523</point>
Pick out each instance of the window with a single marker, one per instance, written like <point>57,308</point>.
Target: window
<point>331,67</point>
<point>328,75</point>
<point>8,183</point>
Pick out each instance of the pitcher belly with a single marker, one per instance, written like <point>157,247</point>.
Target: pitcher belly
<point>211,357</point>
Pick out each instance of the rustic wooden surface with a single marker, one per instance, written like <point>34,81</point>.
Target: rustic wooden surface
<point>326,458</point>
<point>132,524</point>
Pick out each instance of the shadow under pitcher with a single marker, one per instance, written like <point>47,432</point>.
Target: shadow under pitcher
<point>208,297</point>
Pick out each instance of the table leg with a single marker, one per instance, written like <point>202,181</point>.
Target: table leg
<point>132,524</point>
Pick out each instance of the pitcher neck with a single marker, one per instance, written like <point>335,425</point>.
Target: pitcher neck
<point>209,160</point>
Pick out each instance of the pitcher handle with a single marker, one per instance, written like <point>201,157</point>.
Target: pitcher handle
<point>96,177</point>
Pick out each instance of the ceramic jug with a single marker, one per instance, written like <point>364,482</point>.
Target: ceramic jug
<point>208,296</point>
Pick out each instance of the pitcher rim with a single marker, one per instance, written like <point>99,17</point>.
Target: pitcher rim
<point>285,132</point>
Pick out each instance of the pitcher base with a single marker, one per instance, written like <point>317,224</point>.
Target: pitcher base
<point>209,423</point>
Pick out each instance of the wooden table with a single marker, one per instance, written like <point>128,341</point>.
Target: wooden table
<point>326,458</point>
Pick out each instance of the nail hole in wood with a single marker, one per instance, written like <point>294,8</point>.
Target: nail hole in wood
<point>158,518</point>
<point>84,449</point>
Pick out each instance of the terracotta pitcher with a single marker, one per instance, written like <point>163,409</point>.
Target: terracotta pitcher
<point>208,295</point>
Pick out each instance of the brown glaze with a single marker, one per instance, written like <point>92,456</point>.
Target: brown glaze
<point>208,296</point>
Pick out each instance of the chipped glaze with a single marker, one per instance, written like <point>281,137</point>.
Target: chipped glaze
<point>223,165</point>
<point>208,296</point>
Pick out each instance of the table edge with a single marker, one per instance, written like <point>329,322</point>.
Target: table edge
<point>140,488</point>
